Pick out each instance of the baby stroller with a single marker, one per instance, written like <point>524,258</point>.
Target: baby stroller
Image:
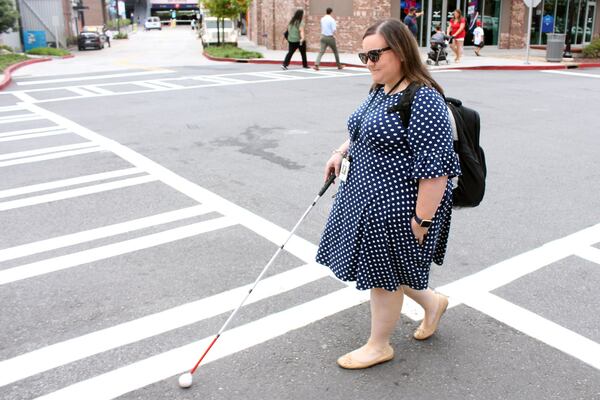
<point>438,53</point>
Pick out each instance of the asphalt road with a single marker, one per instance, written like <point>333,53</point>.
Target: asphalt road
<point>112,284</point>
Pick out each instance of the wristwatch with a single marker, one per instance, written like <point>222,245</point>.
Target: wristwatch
<point>423,223</point>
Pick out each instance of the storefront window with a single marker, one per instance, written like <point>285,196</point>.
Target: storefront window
<point>552,16</point>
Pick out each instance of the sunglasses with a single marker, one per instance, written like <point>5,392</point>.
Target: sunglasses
<point>372,55</point>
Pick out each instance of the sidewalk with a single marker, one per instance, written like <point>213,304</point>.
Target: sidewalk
<point>491,58</point>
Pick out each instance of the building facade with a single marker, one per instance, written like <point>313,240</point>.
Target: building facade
<point>504,21</point>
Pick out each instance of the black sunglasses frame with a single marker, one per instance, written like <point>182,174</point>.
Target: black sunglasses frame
<point>372,55</point>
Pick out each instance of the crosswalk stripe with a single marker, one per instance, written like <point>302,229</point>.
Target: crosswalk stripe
<point>45,150</point>
<point>589,253</point>
<point>162,366</point>
<point>69,194</point>
<point>570,73</point>
<point>68,182</point>
<point>15,119</point>
<point>33,135</point>
<point>100,253</point>
<point>33,130</point>
<point>97,90</point>
<point>72,239</point>
<point>536,326</point>
<point>62,353</point>
<point>51,156</point>
<point>94,77</point>
<point>81,91</point>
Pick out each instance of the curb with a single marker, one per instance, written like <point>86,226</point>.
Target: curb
<point>277,62</point>
<point>475,68</point>
<point>8,71</point>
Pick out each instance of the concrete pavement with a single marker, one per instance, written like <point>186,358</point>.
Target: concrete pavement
<point>491,58</point>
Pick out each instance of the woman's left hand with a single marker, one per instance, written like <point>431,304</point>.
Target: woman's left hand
<point>418,231</point>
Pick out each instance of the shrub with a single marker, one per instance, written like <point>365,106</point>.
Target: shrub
<point>121,35</point>
<point>7,48</point>
<point>72,41</point>
<point>112,24</point>
<point>10,59</point>
<point>592,50</point>
<point>48,51</point>
<point>229,51</point>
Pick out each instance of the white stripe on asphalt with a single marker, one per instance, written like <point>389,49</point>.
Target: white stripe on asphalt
<point>10,108</point>
<point>580,74</point>
<point>33,135</point>
<point>154,369</point>
<point>112,250</point>
<point>34,130</point>
<point>72,239</point>
<point>166,84</point>
<point>46,150</point>
<point>68,182</point>
<point>16,116</point>
<point>97,90</point>
<point>69,194</point>
<point>81,91</point>
<point>15,119</point>
<point>589,253</point>
<point>149,85</point>
<point>62,353</point>
<point>94,77</point>
<point>51,156</point>
<point>537,327</point>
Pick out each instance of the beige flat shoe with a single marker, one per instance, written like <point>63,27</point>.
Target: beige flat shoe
<point>347,362</point>
<point>424,332</point>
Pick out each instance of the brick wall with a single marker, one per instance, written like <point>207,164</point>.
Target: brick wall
<point>95,14</point>
<point>513,29</point>
<point>269,18</point>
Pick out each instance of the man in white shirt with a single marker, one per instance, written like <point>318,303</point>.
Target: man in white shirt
<point>328,28</point>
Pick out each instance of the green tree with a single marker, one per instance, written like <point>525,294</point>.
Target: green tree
<point>225,9</point>
<point>8,16</point>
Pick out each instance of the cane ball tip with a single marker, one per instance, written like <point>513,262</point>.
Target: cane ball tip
<point>185,380</point>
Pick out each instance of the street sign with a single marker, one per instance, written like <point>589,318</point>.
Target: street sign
<point>532,3</point>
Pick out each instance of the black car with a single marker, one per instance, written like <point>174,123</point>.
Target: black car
<point>90,39</point>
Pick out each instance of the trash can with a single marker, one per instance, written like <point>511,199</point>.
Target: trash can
<point>554,48</point>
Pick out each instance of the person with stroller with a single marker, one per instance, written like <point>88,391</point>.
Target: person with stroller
<point>438,46</point>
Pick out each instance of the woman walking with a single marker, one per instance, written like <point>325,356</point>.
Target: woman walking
<point>456,29</point>
<point>295,39</point>
<point>391,215</point>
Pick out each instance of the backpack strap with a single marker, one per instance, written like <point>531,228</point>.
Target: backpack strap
<point>403,108</point>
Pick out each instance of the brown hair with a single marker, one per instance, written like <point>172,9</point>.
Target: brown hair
<point>459,14</point>
<point>403,44</point>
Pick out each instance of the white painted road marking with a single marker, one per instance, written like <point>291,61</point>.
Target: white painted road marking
<point>94,77</point>
<point>111,250</point>
<point>33,130</point>
<point>46,150</point>
<point>51,156</point>
<point>72,239</point>
<point>68,182</point>
<point>139,374</point>
<point>579,74</point>
<point>68,194</point>
<point>62,353</point>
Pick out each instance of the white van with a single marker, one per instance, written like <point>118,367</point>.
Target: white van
<point>152,23</point>
<point>208,33</point>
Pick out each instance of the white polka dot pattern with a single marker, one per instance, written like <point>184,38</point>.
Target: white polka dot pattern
<point>368,236</point>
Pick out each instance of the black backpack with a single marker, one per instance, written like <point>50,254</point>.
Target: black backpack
<point>469,190</point>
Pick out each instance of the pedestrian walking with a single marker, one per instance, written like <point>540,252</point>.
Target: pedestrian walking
<point>456,29</point>
<point>107,34</point>
<point>391,216</point>
<point>328,28</point>
<point>295,39</point>
<point>411,22</point>
<point>478,37</point>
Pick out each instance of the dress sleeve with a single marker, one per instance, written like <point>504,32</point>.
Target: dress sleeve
<point>430,137</point>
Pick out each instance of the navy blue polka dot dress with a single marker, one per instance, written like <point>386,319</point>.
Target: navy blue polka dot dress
<point>368,236</point>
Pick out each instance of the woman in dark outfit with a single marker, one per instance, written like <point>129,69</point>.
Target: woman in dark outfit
<point>296,39</point>
<point>391,216</point>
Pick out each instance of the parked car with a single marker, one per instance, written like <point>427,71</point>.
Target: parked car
<point>208,32</point>
<point>87,40</point>
<point>152,23</point>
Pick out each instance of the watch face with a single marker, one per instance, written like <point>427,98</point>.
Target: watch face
<point>425,223</point>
